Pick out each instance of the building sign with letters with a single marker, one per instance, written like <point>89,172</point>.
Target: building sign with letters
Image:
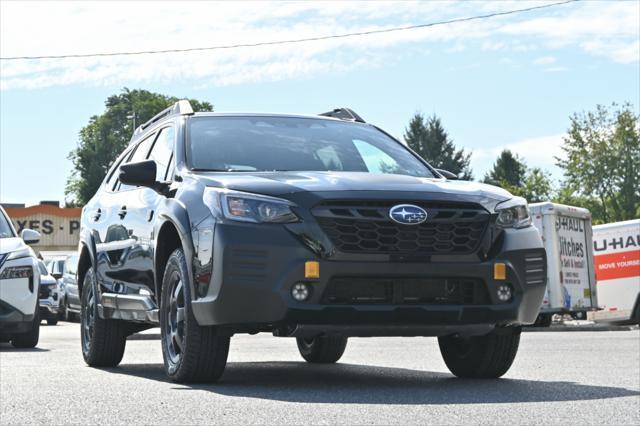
<point>59,227</point>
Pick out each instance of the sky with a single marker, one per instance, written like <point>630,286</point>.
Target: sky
<point>506,82</point>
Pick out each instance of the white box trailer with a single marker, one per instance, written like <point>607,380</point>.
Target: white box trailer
<point>567,237</point>
<point>616,248</point>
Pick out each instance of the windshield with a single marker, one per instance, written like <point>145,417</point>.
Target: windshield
<point>247,144</point>
<point>55,267</point>
<point>5,227</point>
<point>43,269</point>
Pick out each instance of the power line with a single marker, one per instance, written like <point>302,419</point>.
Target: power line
<point>291,41</point>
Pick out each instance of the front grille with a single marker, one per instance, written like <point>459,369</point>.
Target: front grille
<point>405,291</point>
<point>43,292</point>
<point>365,227</point>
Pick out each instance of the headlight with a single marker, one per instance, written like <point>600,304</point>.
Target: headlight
<point>17,272</point>
<point>256,208</point>
<point>513,213</point>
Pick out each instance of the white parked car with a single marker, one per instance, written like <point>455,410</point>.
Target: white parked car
<point>19,285</point>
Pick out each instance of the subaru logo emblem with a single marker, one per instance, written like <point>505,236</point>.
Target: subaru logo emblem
<point>408,214</point>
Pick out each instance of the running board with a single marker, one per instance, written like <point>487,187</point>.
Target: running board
<point>131,307</point>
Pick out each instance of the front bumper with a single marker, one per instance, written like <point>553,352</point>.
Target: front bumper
<point>48,308</point>
<point>255,267</point>
<point>13,321</point>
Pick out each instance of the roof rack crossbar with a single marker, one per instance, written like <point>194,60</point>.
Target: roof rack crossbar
<point>182,107</point>
<point>346,114</point>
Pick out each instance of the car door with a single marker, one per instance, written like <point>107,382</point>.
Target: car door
<point>114,225</point>
<point>142,205</point>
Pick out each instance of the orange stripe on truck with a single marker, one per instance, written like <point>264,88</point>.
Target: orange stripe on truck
<point>618,265</point>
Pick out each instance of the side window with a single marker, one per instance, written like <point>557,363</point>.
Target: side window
<point>377,161</point>
<point>140,154</point>
<point>70,265</point>
<point>162,153</point>
<point>113,176</point>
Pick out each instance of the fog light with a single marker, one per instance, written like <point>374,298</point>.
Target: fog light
<point>504,292</point>
<point>300,292</point>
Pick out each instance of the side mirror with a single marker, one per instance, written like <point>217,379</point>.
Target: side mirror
<point>56,275</point>
<point>30,236</point>
<point>142,173</point>
<point>447,174</point>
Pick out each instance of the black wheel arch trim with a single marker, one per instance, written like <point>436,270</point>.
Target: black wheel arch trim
<point>88,243</point>
<point>175,213</point>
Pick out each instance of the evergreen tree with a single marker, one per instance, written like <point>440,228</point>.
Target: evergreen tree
<point>429,139</point>
<point>106,136</point>
<point>508,169</point>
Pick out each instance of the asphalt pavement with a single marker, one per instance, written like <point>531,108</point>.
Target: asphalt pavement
<point>568,377</point>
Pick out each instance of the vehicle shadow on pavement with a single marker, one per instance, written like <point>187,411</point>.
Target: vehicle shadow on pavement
<point>7,347</point>
<point>356,384</point>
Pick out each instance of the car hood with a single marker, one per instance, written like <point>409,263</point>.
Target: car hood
<point>282,183</point>
<point>7,245</point>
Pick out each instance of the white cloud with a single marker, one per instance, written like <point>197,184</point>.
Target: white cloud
<point>536,152</point>
<point>29,28</point>
<point>545,60</point>
<point>556,69</point>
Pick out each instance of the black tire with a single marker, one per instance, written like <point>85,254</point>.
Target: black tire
<point>102,340</point>
<point>31,337</point>
<point>322,349</point>
<point>70,316</point>
<point>191,353</point>
<point>543,320</point>
<point>52,321</point>
<point>62,310</point>
<point>579,315</point>
<point>480,357</point>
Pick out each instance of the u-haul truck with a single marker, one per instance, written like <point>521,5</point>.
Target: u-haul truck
<point>571,284</point>
<point>616,248</point>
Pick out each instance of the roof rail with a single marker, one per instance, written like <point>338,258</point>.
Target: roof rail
<point>182,107</point>
<point>346,114</point>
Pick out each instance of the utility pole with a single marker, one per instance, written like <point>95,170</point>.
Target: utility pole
<point>133,117</point>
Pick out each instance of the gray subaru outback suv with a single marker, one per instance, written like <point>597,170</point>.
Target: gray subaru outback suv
<point>314,227</point>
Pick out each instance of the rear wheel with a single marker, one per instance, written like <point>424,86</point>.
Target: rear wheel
<point>543,320</point>
<point>191,353</point>
<point>480,357</point>
<point>31,337</point>
<point>103,340</point>
<point>322,349</point>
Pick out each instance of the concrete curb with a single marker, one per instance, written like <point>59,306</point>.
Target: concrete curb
<point>590,327</point>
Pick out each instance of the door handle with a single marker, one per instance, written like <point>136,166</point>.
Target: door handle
<point>123,212</point>
<point>96,215</point>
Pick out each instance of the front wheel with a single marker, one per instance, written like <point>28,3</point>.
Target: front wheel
<point>103,340</point>
<point>480,357</point>
<point>52,321</point>
<point>322,349</point>
<point>191,353</point>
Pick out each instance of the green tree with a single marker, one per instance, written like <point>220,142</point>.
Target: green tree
<point>428,138</point>
<point>106,135</point>
<point>511,173</point>
<point>537,186</point>
<point>602,161</point>
<point>508,169</point>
